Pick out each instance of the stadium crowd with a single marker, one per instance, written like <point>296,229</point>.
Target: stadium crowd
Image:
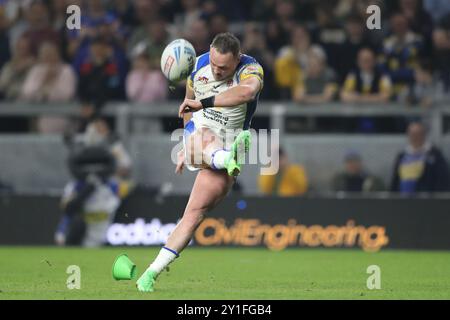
<point>420,167</point>
<point>312,51</point>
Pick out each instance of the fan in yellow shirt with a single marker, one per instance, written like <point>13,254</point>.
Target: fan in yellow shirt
<point>290,181</point>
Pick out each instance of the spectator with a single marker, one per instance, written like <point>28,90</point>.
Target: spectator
<point>191,13</point>
<point>39,30</point>
<point>58,13</point>
<point>209,9</point>
<point>147,10</point>
<point>354,178</point>
<point>280,19</point>
<point>125,11</point>
<point>199,35</point>
<point>401,52</point>
<point>97,22</point>
<point>50,80</point>
<point>18,16</point>
<point>328,33</point>
<point>292,60</point>
<point>263,10</point>
<point>145,83</point>
<point>68,38</point>
<point>286,14</point>
<point>151,39</point>
<point>254,44</point>
<point>356,39</point>
<point>318,82</point>
<point>4,38</point>
<point>366,84</point>
<point>111,29</point>
<point>276,37</point>
<point>12,9</point>
<point>346,8</point>
<point>441,40</point>
<point>419,19</point>
<point>423,92</point>
<point>437,9</point>
<point>290,181</point>
<point>102,71</point>
<point>421,167</point>
<point>218,23</point>
<point>234,11</point>
<point>14,72</point>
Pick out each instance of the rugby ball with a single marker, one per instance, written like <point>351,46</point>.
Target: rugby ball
<point>178,60</point>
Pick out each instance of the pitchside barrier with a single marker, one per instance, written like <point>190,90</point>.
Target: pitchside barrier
<point>144,219</point>
<point>34,163</point>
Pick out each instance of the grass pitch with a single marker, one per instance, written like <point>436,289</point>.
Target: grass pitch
<point>212,273</point>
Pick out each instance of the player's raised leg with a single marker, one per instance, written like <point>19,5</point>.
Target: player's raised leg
<point>209,189</point>
<point>229,159</point>
<point>206,150</point>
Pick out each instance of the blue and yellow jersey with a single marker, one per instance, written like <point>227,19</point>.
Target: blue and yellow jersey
<point>204,85</point>
<point>410,170</point>
<point>371,84</point>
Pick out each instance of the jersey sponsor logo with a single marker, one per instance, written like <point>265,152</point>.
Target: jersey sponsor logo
<point>203,80</point>
<point>216,116</point>
<point>251,68</point>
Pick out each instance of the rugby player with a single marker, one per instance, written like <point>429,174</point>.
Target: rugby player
<point>221,98</point>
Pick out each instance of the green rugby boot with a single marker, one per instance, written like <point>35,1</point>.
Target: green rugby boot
<point>233,163</point>
<point>147,281</point>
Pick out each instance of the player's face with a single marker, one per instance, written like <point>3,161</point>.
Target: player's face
<point>223,66</point>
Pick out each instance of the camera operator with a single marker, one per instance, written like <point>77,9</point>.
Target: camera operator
<point>100,167</point>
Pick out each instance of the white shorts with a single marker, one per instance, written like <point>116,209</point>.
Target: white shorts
<point>226,136</point>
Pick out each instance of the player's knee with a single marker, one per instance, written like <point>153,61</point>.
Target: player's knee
<point>195,159</point>
<point>190,155</point>
<point>194,152</point>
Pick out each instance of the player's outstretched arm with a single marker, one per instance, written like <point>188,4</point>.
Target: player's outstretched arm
<point>245,92</point>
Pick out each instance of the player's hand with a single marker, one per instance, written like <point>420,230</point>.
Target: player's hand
<point>189,105</point>
<point>180,162</point>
